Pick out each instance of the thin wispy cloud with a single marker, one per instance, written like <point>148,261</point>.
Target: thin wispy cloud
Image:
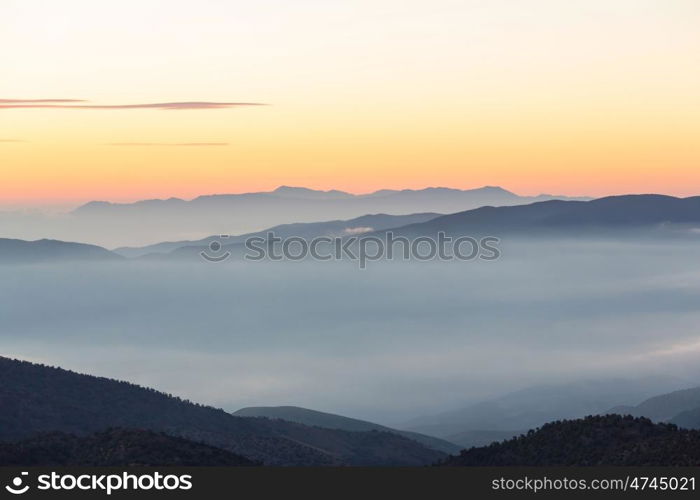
<point>12,140</point>
<point>76,104</point>
<point>168,144</point>
<point>38,101</point>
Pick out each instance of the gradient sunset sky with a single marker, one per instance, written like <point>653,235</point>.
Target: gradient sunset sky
<point>580,97</point>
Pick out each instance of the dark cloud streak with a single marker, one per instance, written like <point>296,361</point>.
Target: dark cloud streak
<point>28,101</point>
<point>50,104</point>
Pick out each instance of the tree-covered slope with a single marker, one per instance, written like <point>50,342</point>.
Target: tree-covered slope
<point>36,398</point>
<point>115,448</point>
<point>594,440</point>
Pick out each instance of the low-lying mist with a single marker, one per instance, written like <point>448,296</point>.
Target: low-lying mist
<point>387,343</point>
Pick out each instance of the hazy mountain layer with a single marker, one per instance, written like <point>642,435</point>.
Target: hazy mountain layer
<point>664,407</point>
<point>689,419</point>
<point>384,344</point>
<point>513,413</point>
<point>152,221</point>
<point>27,252</point>
<point>331,421</point>
<point>619,218</point>
<point>307,230</point>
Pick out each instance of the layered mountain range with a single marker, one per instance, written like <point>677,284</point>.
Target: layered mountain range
<point>56,417</point>
<point>151,221</point>
<point>40,399</point>
<point>646,217</point>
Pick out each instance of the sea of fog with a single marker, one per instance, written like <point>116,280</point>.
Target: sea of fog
<point>387,343</point>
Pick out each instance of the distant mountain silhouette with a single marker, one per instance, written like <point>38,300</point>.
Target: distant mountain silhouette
<point>306,230</point>
<point>311,194</point>
<point>511,414</point>
<point>665,407</point>
<point>594,440</point>
<point>331,421</point>
<point>385,200</point>
<point>37,398</point>
<point>614,215</point>
<point>115,448</point>
<point>19,251</point>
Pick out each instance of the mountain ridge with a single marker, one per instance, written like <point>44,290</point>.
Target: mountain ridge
<point>298,229</point>
<point>664,407</point>
<point>332,421</point>
<point>309,193</point>
<point>16,251</point>
<point>113,224</point>
<point>611,214</point>
<point>603,440</point>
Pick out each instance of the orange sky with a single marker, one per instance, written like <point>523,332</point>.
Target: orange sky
<point>582,97</point>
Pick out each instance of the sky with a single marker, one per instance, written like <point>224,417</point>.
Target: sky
<point>584,97</point>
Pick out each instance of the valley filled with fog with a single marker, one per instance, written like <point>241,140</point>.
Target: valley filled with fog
<point>389,343</point>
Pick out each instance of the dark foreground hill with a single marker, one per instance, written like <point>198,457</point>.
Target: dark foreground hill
<point>36,398</point>
<point>331,421</point>
<point>595,440</point>
<point>115,448</point>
